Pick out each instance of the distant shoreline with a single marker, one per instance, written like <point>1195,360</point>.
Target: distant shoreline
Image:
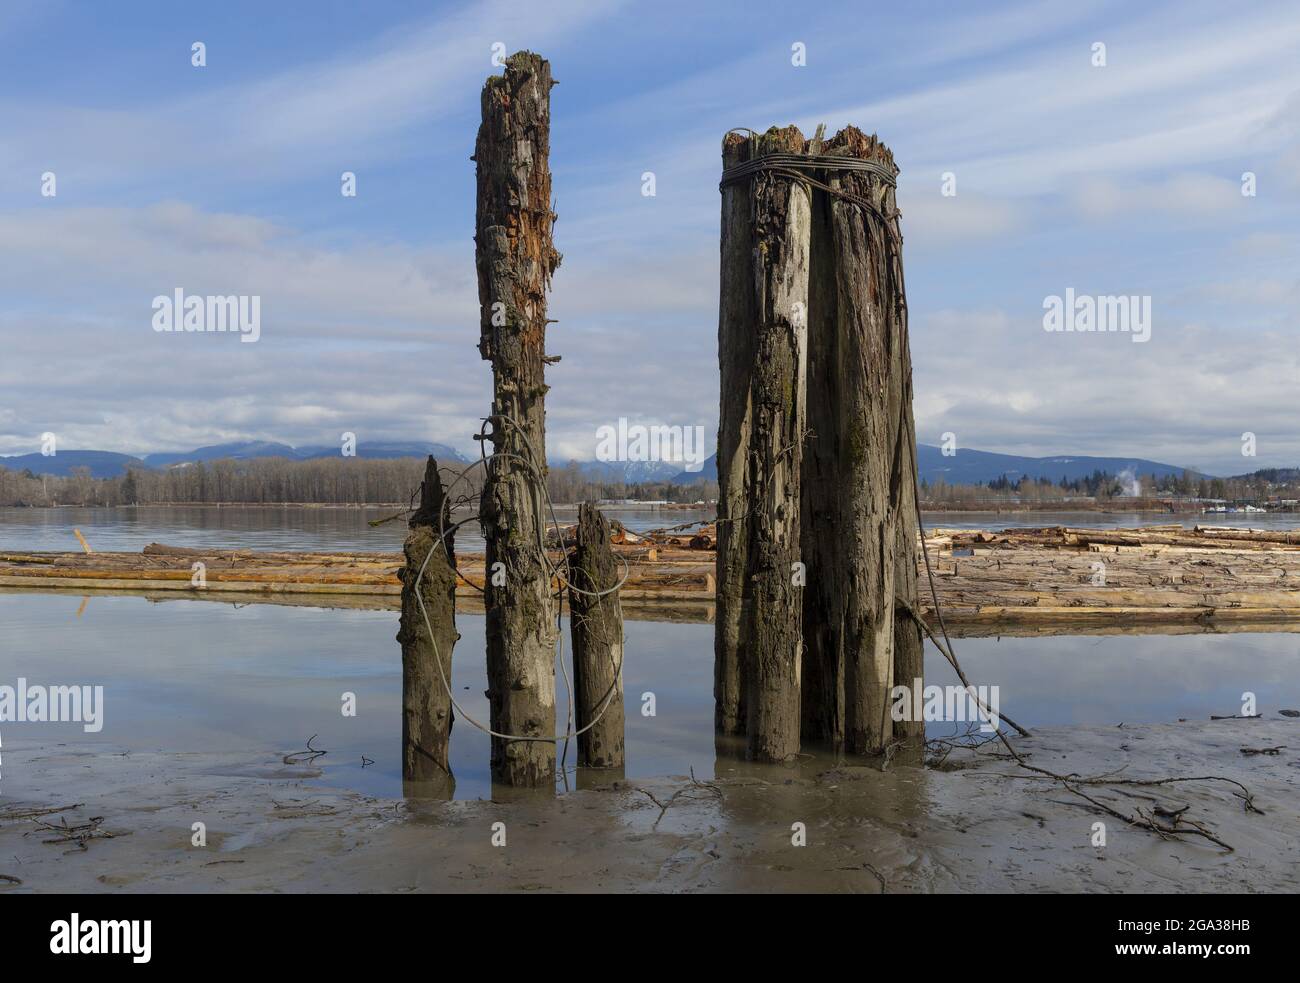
<point>982,509</point>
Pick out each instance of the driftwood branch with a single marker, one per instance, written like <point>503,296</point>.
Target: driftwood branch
<point>308,755</point>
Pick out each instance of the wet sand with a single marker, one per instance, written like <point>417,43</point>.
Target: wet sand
<point>964,827</point>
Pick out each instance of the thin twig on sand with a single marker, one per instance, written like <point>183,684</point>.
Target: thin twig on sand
<point>80,834</point>
<point>306,756</point>
<point>29,813</point>
<point>694,787</point>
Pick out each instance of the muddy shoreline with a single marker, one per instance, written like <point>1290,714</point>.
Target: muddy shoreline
<point>964,827</point>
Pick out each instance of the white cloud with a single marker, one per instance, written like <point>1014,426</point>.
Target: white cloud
<point>123,257</point>
<point>1183,398</point>
<point>1187,195</point>
<point>933,221</point>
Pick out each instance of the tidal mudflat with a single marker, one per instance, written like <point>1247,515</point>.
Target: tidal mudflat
<point>975,824</point>
<point>203,701</point>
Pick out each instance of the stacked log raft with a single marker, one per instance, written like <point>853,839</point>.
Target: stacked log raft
<point>1011,580</point>
<point>1061,578</point>
<point>658,575</point>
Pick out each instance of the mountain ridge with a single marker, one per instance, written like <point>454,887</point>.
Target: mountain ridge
<point>110,464</point>
<point>966,466</point>
<point>970,466</point>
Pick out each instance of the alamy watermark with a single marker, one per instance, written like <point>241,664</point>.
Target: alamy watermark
<point>102,936</point>
<point>946,703</point>
<point>196,312</point>
<point>1082,312</point>
<point>637,442</point>
<point>53,704</point>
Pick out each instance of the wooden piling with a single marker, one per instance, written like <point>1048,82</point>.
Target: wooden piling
<point>769,624</point>
<point>816,580</point>
<point>426,658</point>
<point>597,630</point>
<point>516,257</point>
<point>859,514</point>
<point>735,362</point>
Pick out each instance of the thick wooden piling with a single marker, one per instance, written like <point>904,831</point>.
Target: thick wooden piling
<point>736,362</point>
<point>769,626</point>
<point>816,547</point>
<point>516,257</point>
<point>426,658</point>
<point>859,511</point>
<point>597,630</point>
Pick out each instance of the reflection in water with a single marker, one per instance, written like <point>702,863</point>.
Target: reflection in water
<point>193,676</point>
<point>598,777</point>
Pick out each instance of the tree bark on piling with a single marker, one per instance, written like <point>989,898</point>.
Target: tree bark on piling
<point>597,630</point>
<point>426,658</point>
<point>769,627</point>
<point>858,508</point>
<point>516,257</point>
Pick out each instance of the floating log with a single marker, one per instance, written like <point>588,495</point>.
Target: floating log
<point>1066,537</point>
<point>515,258</point>
<point>1288,537</point>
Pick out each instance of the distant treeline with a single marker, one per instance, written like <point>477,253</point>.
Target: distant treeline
<point>1104,486</point>
<point>570,484</point>
<point>359,481</point>
<point>320,481</point>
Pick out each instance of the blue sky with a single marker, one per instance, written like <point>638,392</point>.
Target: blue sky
<point>1122,179</point>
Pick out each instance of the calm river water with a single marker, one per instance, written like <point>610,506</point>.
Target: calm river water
<point>188,675</point>
<point>294,527</point>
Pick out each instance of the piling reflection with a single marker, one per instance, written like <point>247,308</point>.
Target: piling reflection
<point>593,778</point>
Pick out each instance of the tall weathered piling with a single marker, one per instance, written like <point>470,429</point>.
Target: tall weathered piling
<point>859,516</point>
<point>736,364</point>
<point>596,620</point>
<point>816,451</point>
<point>775,272</point>
<point>426,657</point>
<point>516,257</point>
